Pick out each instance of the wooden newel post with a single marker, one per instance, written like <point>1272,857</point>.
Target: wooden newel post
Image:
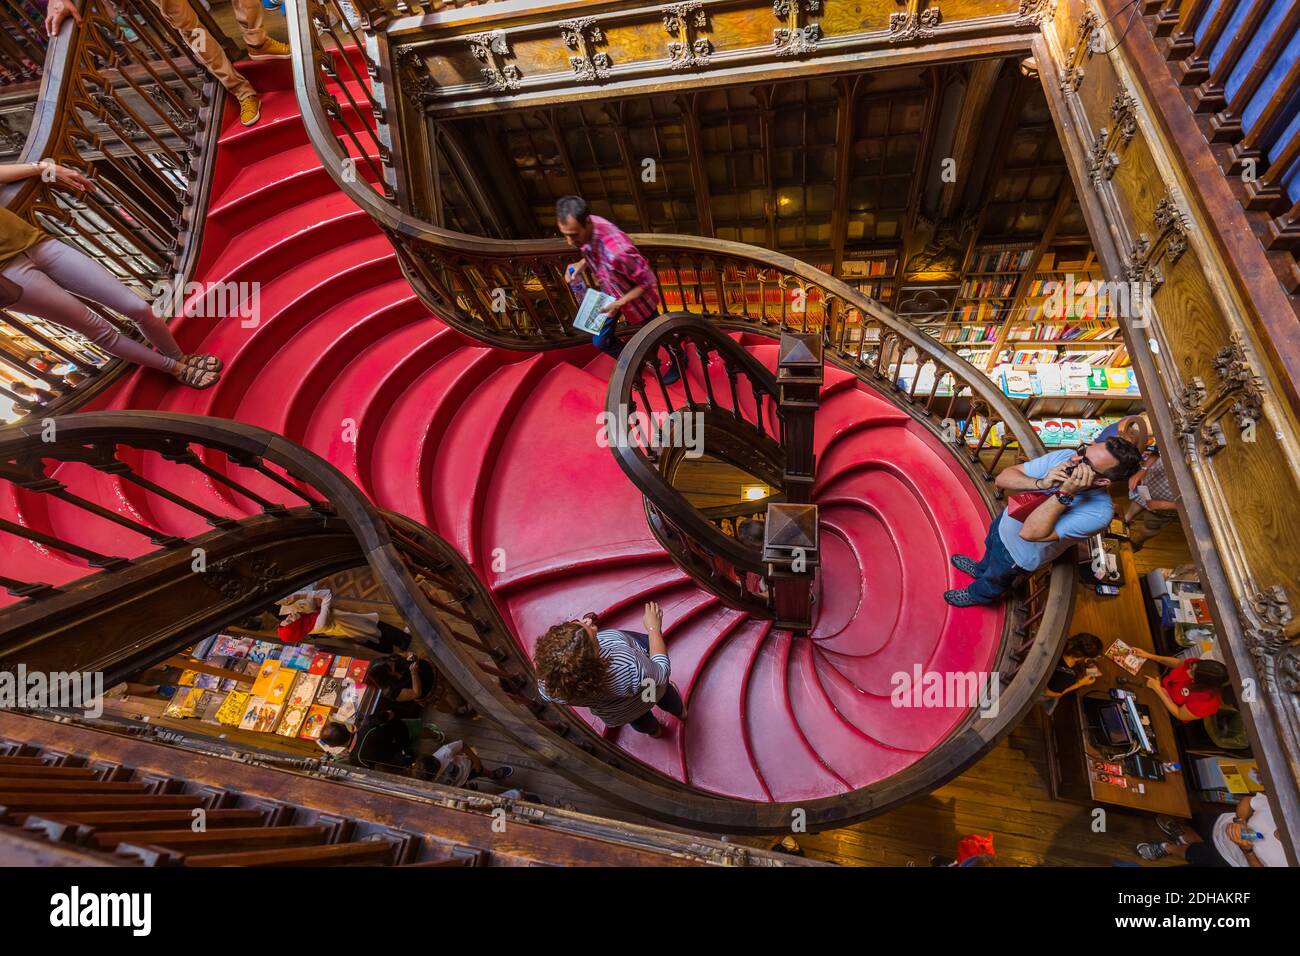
<point>790,551</point>
<point>799,377</point>
<point>790,545</point>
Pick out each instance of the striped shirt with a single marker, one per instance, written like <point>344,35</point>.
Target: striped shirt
<point>618,268</point>
<point>630,667</point>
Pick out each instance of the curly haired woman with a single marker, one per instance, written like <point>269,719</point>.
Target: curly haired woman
<point>620,676</point>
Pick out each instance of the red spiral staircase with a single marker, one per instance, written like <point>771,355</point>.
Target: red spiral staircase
<point>496,451</point>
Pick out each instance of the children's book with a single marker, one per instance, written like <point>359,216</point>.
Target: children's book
<point>341,667</point>
<point>304,690</point>
<point>590,319</point>
<point>1123,655</point>
<point>320,663</point>
<point>265,677</point>
<point>328,693</point>
<point>282,686</point>
<point>357,672</point>
<point>184,703</point>
<point>208,706</point>
<point>188,678</point>
<point>207,681</point>
<point>297,657</point>
<point>349,700</point>
<point>261,650</point>
<point>260,716</point>
<point>291,721</point>
<point>314,723</point>
<point>228,646</point>
<point>231,711</point>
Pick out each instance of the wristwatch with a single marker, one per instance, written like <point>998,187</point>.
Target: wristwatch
<point>1064,498</point>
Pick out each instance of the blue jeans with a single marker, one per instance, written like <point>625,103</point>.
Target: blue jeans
<point>670,702</point>
<point>997,571</point>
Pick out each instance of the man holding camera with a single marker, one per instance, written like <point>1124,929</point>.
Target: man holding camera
<point>1072,502</point>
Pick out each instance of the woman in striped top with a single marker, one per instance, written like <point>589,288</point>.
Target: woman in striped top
<point>620,676</point>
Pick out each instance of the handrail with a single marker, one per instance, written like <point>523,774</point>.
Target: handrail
<point>124,97</point>
<point>718,562</point>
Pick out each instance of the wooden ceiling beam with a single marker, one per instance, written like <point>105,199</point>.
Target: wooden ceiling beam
<point>686,105</point>
<point>970,127</point>
<point>615,112</point>
<point>847,87</point>
<point>765,95</point>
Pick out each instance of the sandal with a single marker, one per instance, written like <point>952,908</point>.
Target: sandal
<point>209,363</point>
<point>195,377</point>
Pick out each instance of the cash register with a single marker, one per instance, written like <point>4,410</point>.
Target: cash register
<point>1120,728</point>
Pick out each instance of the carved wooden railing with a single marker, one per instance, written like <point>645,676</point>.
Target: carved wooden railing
<point>209,521</point>
<point>124,99</point>
<point>733,415</point>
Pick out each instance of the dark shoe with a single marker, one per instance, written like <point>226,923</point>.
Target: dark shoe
<point>1152,851</point>
<point>964,564</point>
<point>501,773</point>
<point>936,860</point>
<point>960,597</point>
<point>1171,828</point>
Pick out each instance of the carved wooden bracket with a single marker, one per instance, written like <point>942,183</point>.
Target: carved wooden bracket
<point>1142,263</point>
<point>684,23</point>
<point>416,84</point>
<point>1267,622</point>
<point>1035,12</point>
<point>1105,148</point>
<point>797,37</point>
<point>914,23</point>
<point>581,37</point>
<point>237,579</point>
<point>1072,72</point>
<point>1239,395</point>
<point>491,49</point>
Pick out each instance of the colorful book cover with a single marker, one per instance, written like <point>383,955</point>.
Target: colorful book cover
<point>265,677</point>
<point>260,716</point>
<point>341,667</point>
<point>203,648</point>
<point>298,657</point>
<point>228,646</point>
<point>320,663</point>
<point>281,686</point>
<point>208,706</point>
<point>357,672</point>
<point>1123,655</point>
<point>1097,381</point>
<point>350,695</point>
<point>291,721</point>
<point>328,693</point>
<point>314,723</point>
<point>207,681</point>
<point>188,678</point>
<point>231,711</point>
<point>304,690</point>
<point>261,650</point>
<point>184,702</point>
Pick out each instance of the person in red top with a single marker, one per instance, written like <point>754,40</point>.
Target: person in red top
<point>1190,689</point>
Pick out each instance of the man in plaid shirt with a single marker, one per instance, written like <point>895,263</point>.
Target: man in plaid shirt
<point>612,264</point>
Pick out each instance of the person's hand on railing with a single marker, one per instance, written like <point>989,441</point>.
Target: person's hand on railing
<point>66,177</point>
<point>57,12</point>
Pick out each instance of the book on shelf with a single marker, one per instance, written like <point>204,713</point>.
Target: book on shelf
<point>1002,260</point>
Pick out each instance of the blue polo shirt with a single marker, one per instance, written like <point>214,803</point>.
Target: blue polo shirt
<point>1091,512</point>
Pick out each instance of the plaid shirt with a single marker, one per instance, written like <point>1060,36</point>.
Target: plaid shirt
<point>618,267</point>
<point>1157,482</point>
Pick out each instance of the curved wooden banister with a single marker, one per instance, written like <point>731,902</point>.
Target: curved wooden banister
<point>138,111</point>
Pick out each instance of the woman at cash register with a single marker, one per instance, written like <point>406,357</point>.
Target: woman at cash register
<point>1191,689</point>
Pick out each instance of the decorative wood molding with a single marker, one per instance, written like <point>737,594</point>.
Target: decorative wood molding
<point>1072,71</point>
<point>491,49</point>
<point>914,23</point>
<point>797,37</point>
<point>684,23</point>
<point>1105,151</point>
<point>1143,262</point>
<point>1034,13</point>
<point>581,38</point>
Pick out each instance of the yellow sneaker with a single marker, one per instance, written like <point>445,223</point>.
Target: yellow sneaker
<point>271,49</point>
<point>250,109</point>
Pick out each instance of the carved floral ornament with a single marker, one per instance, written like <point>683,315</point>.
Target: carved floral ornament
<point>1144,259</point>
<point>1072,72</point>
<point>1035,12</point>
<point>1266,620</point>
<point>492,49</point>
<point>686,48</point>
<point>914,23</point>
<point>581,37</point>
<point>1111,139</point>
<point>796,36</point>
<point>1238,394</point>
